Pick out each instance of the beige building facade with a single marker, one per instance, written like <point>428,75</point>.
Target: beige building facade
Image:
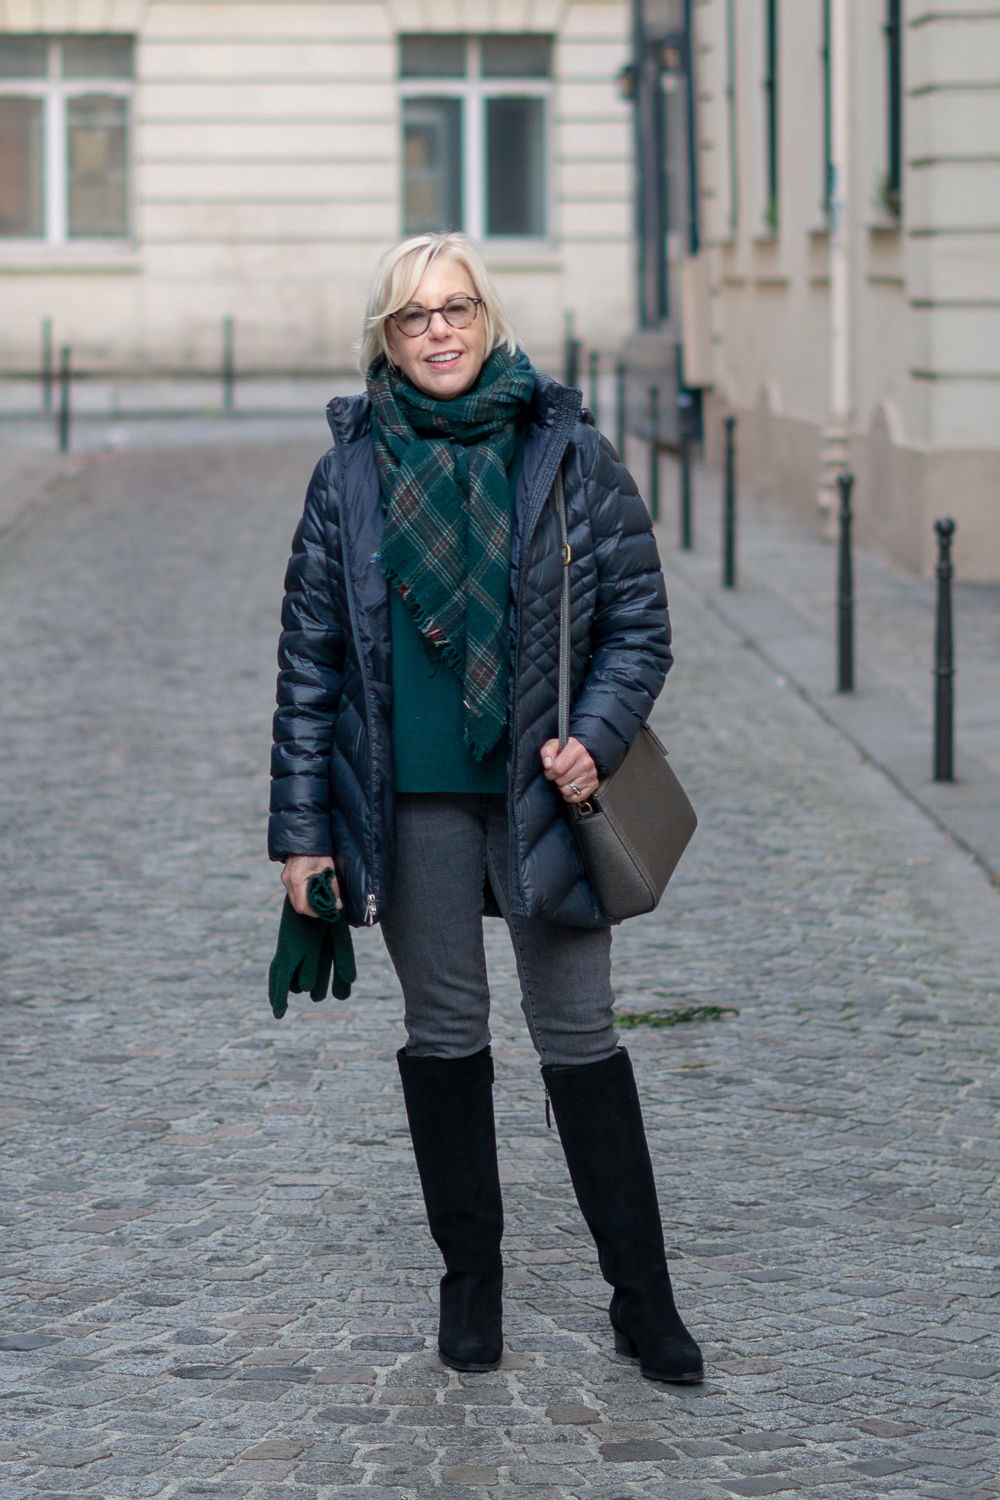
<point>168,164</point>
<point>848,164</point>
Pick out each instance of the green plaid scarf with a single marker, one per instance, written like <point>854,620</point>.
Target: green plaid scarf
<point>443,466</point>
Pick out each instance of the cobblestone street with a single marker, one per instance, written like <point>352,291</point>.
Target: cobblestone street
<point>217,1279</point>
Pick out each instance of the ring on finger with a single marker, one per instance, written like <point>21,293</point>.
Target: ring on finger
<point>575,789</point>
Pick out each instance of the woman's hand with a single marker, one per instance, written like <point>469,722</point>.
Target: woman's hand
<point>571,768</point>
<point>295,878</point>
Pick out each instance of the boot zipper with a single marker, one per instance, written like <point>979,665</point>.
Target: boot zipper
<point>370,909</point>
<point>548,1110</point>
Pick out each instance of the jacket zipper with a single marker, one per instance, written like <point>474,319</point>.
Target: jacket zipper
<point>370,900</point>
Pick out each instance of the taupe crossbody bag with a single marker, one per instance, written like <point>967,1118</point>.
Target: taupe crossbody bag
<point>636,826</point>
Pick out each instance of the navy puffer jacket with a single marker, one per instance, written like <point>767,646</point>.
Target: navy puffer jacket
<point>332,779</point>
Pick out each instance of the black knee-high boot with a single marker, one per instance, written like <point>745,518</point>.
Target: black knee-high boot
<point>600,1124</point>
<point>449,1104</point>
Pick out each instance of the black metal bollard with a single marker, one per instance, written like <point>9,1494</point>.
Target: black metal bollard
<point>593,394</point>
<point>228,363</point>
<point>571,355</point>
<point>620,409</point>
<point>64,399</point>
<point>845,589</point>
<point>47,371</point>
<point>654,452</point>
<point>729,506</point>
<point>684,405</point>
<point>944,663</point>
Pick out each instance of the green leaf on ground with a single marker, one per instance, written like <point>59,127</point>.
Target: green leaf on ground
<point>629,1019</point>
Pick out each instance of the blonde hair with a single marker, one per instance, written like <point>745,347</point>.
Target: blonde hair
<point>401,271</point>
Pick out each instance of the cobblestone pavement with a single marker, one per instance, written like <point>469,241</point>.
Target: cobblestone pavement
<point>217,1281</point>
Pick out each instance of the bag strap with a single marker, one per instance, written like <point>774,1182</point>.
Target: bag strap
<point>564,609</point>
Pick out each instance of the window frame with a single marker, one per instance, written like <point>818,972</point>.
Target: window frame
<point>55,90</point>
<point>474,90</point>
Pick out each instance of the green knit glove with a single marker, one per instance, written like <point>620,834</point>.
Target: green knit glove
<point>311,948</point>
<point>338,946</point>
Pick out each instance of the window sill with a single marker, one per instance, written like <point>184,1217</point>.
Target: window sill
<point>522,255</point>
<point>94,259</point>
<point>882,221</point>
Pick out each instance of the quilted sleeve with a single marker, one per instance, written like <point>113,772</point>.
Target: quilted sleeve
<point>630,627</point>
<point>310,680</point>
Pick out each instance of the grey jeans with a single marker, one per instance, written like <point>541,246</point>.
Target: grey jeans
<point>448,845</point>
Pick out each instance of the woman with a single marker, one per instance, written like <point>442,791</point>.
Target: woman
<point>415,755</point>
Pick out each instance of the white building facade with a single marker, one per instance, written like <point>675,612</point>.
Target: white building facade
<point>168,164</point>
<point>848,164</point>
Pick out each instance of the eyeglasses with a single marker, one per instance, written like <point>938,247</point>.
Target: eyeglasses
<point>458,312</point>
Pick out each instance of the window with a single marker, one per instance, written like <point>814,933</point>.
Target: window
<point>893,182</point>
<point>771,114</point>
<point>826,78</point>
<point>64,137</point>
<point>732,119</point>
<point>475,134</point>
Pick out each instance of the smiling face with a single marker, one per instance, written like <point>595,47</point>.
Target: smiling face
<point>444,362</point>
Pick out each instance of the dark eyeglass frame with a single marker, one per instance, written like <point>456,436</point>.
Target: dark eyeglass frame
<point>477,303</point>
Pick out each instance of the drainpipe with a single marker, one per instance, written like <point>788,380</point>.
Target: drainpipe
<point>836,432</point>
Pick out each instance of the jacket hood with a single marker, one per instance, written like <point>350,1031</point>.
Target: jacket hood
<point>553,402</point>
<point>349,417</point>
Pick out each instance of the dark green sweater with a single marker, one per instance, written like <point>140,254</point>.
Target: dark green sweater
<point>429,753</point>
